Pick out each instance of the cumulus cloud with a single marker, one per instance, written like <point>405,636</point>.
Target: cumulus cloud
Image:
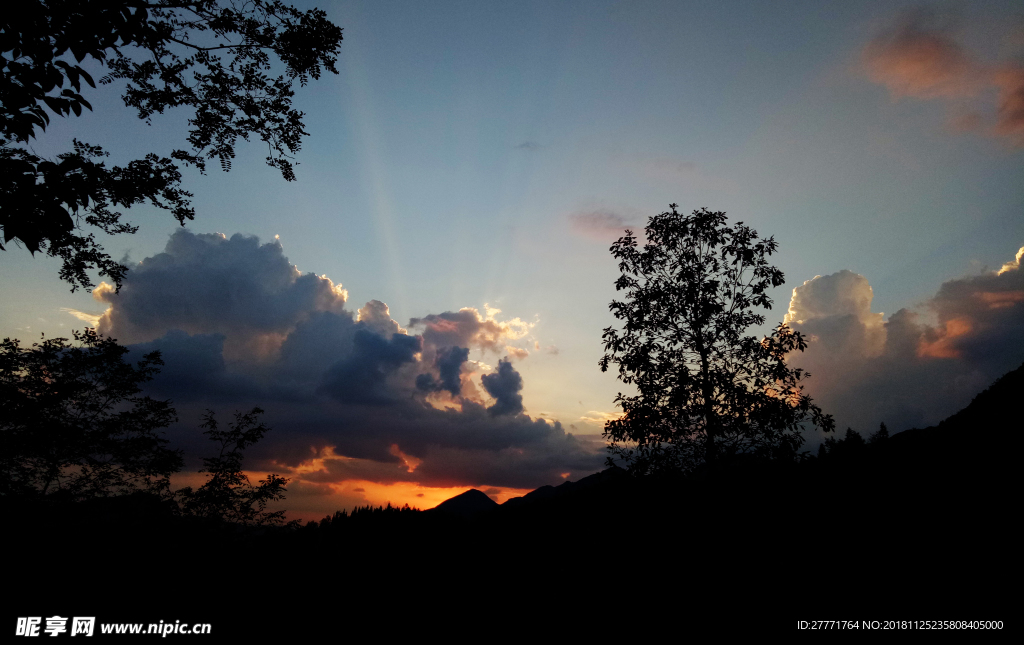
<point>917,367</point>
<point>468,328</point>
<point>919,59</point>
<point>352,396</point>
<point>504,385</point>
<point>376,316</point>
<point>837,309</point>
<point>206,284</point>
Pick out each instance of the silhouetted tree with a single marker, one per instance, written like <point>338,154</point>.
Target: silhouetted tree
<point>229,495</point>
<point>853,440</point>
<point>168,53</point>
<point>881,435</point>
<point>73,423</point>
<point>829,446</point>
<point>705,390</point>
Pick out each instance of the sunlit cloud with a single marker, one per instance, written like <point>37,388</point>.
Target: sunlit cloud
<point>516,352</point>
<point>840,299</point>
<point>943,345</point>
<point>90,319</point>
<point>913,60</point>
<point>904,371</point>
<point>917,59</point>
<point>377,316</point>
<point>1013,264</point>
<point>596,416</point>
<point>467,328</point>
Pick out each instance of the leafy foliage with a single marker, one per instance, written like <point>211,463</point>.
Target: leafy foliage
<point>229,495</point>
<point>38,199</point>
<point>169,54</point>
<point>73,423</point>
<point>705,391</point>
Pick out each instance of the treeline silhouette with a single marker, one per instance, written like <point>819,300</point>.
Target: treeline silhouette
<point>916,525</point>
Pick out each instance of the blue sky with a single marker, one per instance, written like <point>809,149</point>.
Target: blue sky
<point>477,152</point>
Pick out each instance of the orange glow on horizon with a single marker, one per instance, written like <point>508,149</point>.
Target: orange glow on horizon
<point>309,499</point>
<point>348,494</point>
<point>417,495</point>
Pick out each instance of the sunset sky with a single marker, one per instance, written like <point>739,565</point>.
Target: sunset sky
<point>421,312</point>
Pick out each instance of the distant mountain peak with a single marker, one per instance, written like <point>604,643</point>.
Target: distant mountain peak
<point>469,503</point>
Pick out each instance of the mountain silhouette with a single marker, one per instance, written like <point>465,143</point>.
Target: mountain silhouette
<point>468,504</point>
<point>973,441</point>
<point>992,409</point>
<point>567,489</point>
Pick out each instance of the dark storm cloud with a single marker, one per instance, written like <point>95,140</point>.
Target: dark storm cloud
<point>316,344</point>
<point>504,385</point>
<point>194,368</point>
<point>907,371</point>
<point>449,364</point>
<point>362,376</point>
<point>239,327</point>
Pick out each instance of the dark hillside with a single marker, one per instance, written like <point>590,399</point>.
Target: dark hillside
<point>917,526</point>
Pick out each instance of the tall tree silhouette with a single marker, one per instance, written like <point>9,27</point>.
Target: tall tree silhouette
<point>73,424</point>
<point>168,53</point>
<point>228,495</point>
<point>705,390</point>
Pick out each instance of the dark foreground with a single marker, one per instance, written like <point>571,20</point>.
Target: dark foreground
<point>918,527</point>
